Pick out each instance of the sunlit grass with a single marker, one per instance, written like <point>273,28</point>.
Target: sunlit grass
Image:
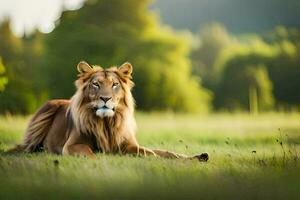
<point>247,161</point>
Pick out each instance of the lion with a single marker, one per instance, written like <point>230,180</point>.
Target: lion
<point>98,118</point>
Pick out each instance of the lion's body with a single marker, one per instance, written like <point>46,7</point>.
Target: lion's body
<point>52,125</point>
<point>47,129</point>
<point>99,117</point>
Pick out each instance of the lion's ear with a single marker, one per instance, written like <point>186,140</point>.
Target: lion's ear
<point>126,69</point>
<point>83,67</point>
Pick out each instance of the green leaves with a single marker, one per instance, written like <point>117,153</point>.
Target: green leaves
<point>3,79</point>
<point>110,34</point>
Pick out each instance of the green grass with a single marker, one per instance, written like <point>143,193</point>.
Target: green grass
<point>247,161</point>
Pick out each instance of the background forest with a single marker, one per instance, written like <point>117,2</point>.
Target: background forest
<point>209,63</point>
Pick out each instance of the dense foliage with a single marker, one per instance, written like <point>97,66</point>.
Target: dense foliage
<point>267,65</point>
<point>247,72</point>
<point>105,34</point>
<point>22,93</point>
<point>110,34</point>
<point>3,79</point>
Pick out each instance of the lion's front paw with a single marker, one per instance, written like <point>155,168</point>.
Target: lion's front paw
<point>203,157</point>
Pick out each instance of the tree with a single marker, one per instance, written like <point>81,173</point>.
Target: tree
<point>279,58</point>
<point>109,33</point>
<point>213,38</point>
<point>245,87</point>
<point>3,79</point>
<point>20,94</point>
<point>284,70</point>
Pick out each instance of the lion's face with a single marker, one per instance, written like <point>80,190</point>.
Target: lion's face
<point>104,89</point>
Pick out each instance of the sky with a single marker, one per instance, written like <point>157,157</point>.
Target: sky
<point>25,15</point>
<point>238,16</point>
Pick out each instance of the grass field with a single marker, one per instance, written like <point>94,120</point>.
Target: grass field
<point>251,157</point>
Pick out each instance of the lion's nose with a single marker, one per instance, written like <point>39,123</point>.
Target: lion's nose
<point>105,99</point>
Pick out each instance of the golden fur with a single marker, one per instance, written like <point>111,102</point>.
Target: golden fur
<point>99,117</point>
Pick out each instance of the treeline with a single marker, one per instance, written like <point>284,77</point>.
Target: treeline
<point>223,72</point>
<point>44,66</point>
<point>250,72</point>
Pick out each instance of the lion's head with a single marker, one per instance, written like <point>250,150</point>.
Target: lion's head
<point>103,104</point>
<point>105,91</point>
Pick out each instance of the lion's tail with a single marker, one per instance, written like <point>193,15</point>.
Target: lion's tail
<point>37,129</point>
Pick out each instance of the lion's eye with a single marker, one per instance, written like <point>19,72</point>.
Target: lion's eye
<point>115,85</point>
<point>95,84</point>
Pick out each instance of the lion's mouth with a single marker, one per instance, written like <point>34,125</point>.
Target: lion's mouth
<point>104,111</point>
